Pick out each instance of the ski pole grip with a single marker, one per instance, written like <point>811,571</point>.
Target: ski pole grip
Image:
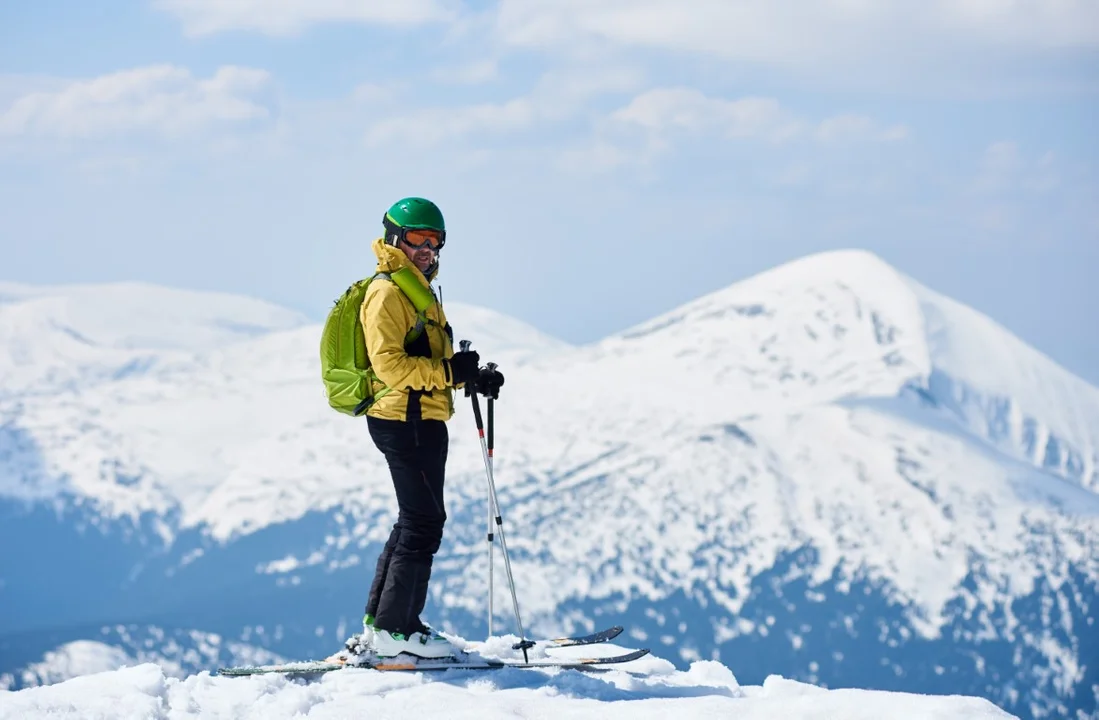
<point>464,346</point>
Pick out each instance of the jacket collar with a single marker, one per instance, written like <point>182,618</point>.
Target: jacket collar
<point>391,259</point>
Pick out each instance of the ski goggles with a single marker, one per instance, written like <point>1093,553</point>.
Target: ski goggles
<point>432,239</point>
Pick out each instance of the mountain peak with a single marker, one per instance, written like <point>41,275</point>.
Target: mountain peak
<point>845,324</point>
<point>839,264</point>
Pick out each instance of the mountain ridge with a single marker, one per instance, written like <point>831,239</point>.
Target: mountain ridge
<point>790,434</point>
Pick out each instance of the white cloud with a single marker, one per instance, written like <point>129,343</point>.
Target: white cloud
<point>1000,168</point>
<point>1004,169</point>
<point>661,120</point>
<point>808,33</point>
<point>845,127</point>
<point>1049,23</point>
<point>895,133</point>
<point>13,87</point>
<point>558,95</point>
<point>432,126</point>
<point>287,17</point>
<point>1046,176</point>
<point>1002,158</point>
<point>686,109</point>
<point>1008,180</point>
<point>855,128</point>
<point>561,92</point>
<point>796,175</point>
<point>634,135</point>
<point>597,156</point>
<point>160,99</point>
<point>367,93</point>
<point>471,73</point>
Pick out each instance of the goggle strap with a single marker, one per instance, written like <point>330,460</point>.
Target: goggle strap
<point>396,232</point>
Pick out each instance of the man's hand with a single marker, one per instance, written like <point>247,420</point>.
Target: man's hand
<point>463,367</point>
<point>489,382</point>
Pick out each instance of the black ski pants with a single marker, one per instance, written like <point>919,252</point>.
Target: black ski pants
<point>416,452</point>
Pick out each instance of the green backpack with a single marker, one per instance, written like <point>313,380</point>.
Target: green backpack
<point>345,367</point>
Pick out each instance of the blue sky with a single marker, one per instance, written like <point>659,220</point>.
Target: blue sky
<point>599,161</point>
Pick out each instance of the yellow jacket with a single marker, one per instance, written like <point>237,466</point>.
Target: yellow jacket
<point>419,380</point>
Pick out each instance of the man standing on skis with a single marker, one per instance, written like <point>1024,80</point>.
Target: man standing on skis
<point>412,355</point>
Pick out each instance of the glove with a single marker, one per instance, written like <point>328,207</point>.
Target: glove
<point>489,382</point>
<point>463,366</point>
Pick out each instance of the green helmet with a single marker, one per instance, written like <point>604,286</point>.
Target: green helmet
<point>413,213</point>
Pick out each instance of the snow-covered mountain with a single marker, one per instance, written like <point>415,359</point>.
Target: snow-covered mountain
<point>826,471</point>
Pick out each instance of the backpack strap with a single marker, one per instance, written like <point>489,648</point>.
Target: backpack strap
<point>421,297</point>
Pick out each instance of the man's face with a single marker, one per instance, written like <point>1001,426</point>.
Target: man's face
<point>421,247</point>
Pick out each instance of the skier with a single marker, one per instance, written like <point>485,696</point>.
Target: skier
<point>408,424</point>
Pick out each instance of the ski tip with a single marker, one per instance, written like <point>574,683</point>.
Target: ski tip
<point>639,653</point>
<point>594,638</point>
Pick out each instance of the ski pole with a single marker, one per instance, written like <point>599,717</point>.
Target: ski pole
<point>494,505</point>
<point>523,643</point>
<point>491,515</point>
<point>465,344</point>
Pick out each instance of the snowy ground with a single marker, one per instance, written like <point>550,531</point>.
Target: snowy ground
<point>647,688</point>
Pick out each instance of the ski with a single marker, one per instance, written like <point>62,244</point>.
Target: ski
<point>390,664</point>
<point>406,664</point>
<point>601,636</point>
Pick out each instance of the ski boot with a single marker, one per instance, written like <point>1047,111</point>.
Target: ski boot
<point>425,643</point>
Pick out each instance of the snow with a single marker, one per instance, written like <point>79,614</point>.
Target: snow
<point>83,657</point>
<point>651,689</point>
